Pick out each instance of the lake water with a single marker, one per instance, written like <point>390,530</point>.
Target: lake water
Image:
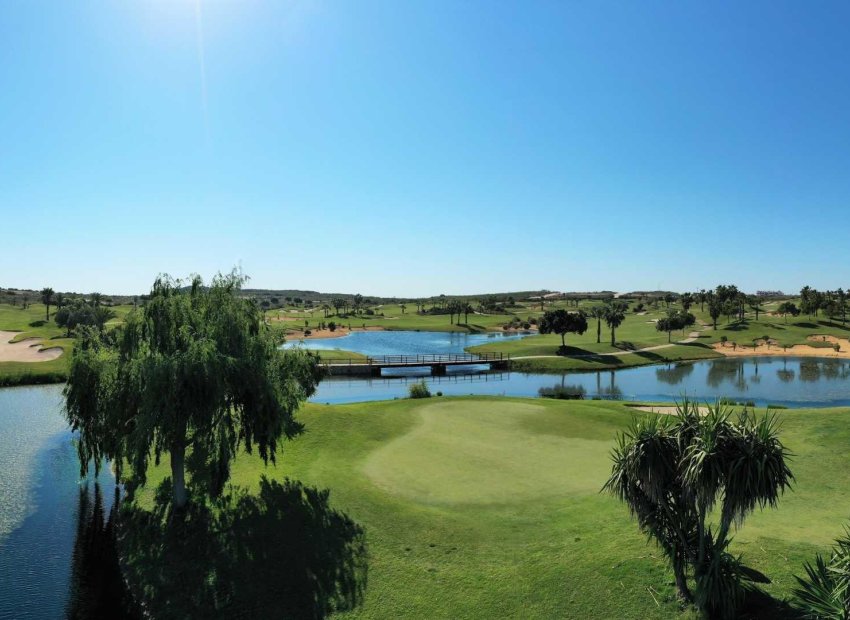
<point>404,342</point>
<point>792,382</point>
<point>56,553</point>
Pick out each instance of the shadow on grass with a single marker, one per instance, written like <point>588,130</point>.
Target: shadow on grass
<point>834,325</point>
<point>282,553</point>
<point>590,356</point>
<point>759,605</point>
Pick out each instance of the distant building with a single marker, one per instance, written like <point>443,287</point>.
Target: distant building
<point>770,294</point>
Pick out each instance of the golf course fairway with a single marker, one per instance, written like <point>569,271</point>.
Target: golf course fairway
<point>490,507</point>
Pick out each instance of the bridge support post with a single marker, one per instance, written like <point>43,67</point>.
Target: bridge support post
<point>438,370</point>
<point>375,371</point>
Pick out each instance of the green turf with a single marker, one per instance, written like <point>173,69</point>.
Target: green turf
<point>489,507</point>
<point>31,322</point>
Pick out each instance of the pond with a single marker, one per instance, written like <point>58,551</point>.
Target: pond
<point>57,556</point>
<point>404,342</point>
<point>791,382</point>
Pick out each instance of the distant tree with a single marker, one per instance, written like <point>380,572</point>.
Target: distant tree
<point>357,302</point>
<point>841,298</point>
<point>338,304</point>
<point>675,319</point>
<point>402,307</point>
<point>754,302</point>
<point>326,309</point>
<point>669,298</point>
<point>60,300</point>
<point>467,309</point>
<point>332,326</point>
<point>25,300</point>
<point>80,313</point>
<point>194,370</point>
<point>786,308</point>
<point>96,299</point>
<point>715,309</point>
<point>598,313</point>
<point>562,323</point>
<point>702,296</point>
<point>615,314</point>
<point>47,299</point>
<point>687,300</point>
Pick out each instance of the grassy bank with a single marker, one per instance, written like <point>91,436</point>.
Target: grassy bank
<point>476,507</point>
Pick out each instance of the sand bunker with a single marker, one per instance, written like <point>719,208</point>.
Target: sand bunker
<point>798,350</point>
<point>662,409</point>
<point>27,350</point>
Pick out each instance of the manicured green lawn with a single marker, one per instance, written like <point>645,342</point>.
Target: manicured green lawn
<point>31,323</point>
<point>490,508</point>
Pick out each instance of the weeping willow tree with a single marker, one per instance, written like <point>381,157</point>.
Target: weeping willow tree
<point>688,479</point>
<point>195,370</point>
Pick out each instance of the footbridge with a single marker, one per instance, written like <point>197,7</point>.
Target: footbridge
<point>436,362</point>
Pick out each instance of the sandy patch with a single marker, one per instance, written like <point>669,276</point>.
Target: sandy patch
<point>339,332</point>
<point>663,410</point>
<point>27,350</point>
<point>798,350</point>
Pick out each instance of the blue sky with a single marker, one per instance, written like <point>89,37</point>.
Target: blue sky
<point>405,148</point>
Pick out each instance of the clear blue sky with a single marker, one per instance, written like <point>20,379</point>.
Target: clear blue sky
<point>423,148</point>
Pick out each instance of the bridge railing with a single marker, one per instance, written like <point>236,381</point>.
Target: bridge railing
<point>421,359</point>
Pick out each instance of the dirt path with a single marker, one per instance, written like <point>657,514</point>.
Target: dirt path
<point>27,350</point>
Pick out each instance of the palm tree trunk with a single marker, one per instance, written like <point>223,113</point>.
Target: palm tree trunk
<point>612,337</point>
<point>598,331</point>
<point>682,589</point>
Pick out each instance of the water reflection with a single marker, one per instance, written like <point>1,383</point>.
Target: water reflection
<point>674,375</point>
<point>97,589</point>
<point>786,381</point>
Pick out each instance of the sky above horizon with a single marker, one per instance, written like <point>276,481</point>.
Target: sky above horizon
<point>420,148</point>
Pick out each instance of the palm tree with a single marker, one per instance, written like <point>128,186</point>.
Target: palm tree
<point>47,299</point>
<point>95,299</point>
<point>403,307</point>
<point>598,313</point>
<point>674,472</point>
<point>615,314</point>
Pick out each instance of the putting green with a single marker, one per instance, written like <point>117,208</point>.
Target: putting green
<point>485,452</point>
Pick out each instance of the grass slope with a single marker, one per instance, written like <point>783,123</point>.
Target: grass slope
<point>489,507</point>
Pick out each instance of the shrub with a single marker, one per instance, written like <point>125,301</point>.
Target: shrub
<point>39,323</point>
<point>822,593</point>
<point>332,326</point>
<point>419,390</point>
<point>439,393</point>
<point>563,392</point>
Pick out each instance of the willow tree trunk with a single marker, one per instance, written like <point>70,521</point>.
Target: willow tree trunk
<point>178,474</point>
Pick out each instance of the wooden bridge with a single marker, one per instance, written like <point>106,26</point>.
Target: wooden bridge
<point>438,363</point>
